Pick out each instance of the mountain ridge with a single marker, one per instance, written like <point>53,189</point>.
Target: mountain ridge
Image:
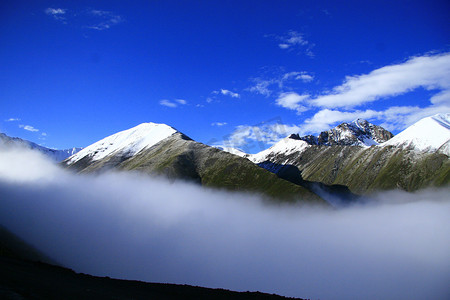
<point>360,132</point>
<point>180,158</point>
<point>409,162</point>
<point>54,154</point>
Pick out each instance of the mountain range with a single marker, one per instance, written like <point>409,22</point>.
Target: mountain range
<point>416,158</point>
<point>351,159</point>
<point>54,154</point>
<point>160,149</point>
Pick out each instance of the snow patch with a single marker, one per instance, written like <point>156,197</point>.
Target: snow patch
<point>232,150</point>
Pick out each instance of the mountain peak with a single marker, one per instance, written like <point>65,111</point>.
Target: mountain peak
<point>127,142</point>
<point>360,132</point>
<point>428,134</point>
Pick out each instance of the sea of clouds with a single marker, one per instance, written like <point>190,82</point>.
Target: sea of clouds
<point>124,225</point>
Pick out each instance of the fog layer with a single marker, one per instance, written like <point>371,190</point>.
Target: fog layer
<point>396,246</point>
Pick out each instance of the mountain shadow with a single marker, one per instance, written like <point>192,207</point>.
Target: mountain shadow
<point>335,194</point>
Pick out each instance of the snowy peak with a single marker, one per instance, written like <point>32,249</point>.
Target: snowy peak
<point>287,146</point>
<point>428,135</point>
<point>360,132</point>
<point>126,143</point>
<point>357,133</point>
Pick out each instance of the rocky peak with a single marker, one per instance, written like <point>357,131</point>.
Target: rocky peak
<point>360,132</point>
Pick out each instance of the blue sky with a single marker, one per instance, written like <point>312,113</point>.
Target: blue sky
<point>245,73</point>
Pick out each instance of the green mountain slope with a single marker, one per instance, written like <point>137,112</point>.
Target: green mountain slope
<point>179,157</point>
<point>364,170</point>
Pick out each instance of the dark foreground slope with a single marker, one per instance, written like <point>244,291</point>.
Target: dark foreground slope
<point>22,279</point>
<point>24,275</point>
<point>179,157</point>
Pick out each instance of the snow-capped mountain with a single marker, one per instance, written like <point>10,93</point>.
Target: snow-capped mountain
<point>159,149</point>
<point>357,133</point>
<point>125,143</point>
<point>428,135</point>
<point>411,160</point>
<point>54,154</point>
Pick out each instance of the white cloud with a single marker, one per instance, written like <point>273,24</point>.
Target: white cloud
<point>294,39</point>
<point>394,118</point>
<point>57,13</point>
<point>104,19</point>
<point>326,118</point>
<point>255,138</point>
<point>219,124</point>
<point>167,103</point>
<point>305,77</point>
<point>145,228</point>
<point>431,72</point>
<point>262,85</point>
<point>292,100</point>
<point>229,93</point>
<point>12,120</point>
<point>172,104</point>
<point>28,127</point>
<point>91,19</point>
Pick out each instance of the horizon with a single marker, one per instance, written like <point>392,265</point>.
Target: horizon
<point>221,145</point>
<point>248,74</point>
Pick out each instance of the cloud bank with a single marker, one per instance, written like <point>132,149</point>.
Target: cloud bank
<point>129,226</point>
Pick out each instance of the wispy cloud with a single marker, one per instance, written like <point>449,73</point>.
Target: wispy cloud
<point>266,86</point>
<point>173,103</point>
<point>295,40</point>
<point>229,93</point>
<point>219,124</point>
<point>255,138</point>
<point>56,13</point>
<point>104,19</point>
<point>12,120</point>
<point>28,128</point>
<point>92,18</point>
<point>261,87</point>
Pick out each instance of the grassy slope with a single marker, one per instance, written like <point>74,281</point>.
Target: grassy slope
<point>366,170</point>
<point>179,157</point>
<point>183,158</point>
